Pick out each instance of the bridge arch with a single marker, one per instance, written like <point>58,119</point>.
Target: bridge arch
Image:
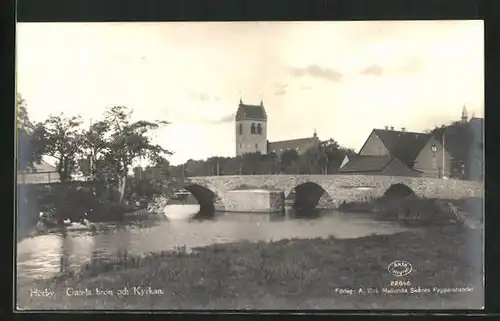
<point>307,196</point>
<point>205,197</point>
<point>398,190</point>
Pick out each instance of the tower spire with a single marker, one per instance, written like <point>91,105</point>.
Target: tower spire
<point>464,114</point>
<point>315,133</point>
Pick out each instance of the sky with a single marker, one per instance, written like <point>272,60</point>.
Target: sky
<point>341,79</point>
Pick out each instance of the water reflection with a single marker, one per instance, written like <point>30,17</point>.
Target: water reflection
<point>44,255</point>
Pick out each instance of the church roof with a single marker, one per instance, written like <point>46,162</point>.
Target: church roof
<point>401,144</point>
<point>301,143</point>
<point>253,112</point>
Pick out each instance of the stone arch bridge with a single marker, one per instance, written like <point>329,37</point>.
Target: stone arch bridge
<point>329,191</point>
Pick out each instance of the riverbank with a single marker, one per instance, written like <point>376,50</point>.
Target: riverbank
<point>288,274</point>
<point>417,211</point>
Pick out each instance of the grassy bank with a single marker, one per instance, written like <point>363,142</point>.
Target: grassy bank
<point>289,274</point>
<point>419,211</point>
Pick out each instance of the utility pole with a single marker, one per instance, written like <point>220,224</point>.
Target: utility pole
<point>91,167</point>
<point>443,141</point>
<point>218,168</point>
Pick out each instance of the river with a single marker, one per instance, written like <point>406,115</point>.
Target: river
<point>40,256</point>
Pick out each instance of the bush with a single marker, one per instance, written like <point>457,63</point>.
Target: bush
<point>413,210</point>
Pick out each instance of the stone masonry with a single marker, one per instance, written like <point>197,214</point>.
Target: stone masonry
<point>340,188</point>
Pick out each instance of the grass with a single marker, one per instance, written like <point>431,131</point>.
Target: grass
<point>418,211</point>
<point>288,274</point>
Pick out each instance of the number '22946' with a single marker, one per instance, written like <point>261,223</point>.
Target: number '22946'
<point>400,283</point>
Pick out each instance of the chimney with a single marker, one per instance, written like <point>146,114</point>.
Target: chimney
<point>403,129</point>
<point>392,127</point>
<point>386,127</point>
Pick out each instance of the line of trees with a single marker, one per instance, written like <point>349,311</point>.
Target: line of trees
<point>326,158</point>
<point>103,152</point>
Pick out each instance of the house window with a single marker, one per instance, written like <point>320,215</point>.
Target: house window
<point>240,145</point>
<point>241,130</point>
<point>274,151</point>
<point>252,129</point>
<point>256,146</point>
<point>281,149</point>
<point>259,129</point>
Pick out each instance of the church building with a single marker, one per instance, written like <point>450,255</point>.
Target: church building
<point>251,133</point>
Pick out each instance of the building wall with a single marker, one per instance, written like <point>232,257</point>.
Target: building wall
<point>248,142</point>
<point>374,147</point>
<point>42,173</point>
<point>345,161</point>
<point>430,163</point>
<point>37,178</point>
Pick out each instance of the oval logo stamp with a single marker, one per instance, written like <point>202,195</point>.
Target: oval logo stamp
<point>400,268</point>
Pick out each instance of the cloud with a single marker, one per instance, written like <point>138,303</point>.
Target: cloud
<point>316,71</point>
<point>306,87</point>
<point>280,89</point>
<point>229,118</point>
<point>279,92</point>
<point>201,96</point>
<point>225,119</point>
<point>373,70</point>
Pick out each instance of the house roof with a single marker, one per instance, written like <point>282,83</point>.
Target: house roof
<point>254,112</point>
<point>44,167</point>
<point>368,163</point>
<point>404,145</point>
<point>300,143</point>
<point>365,163</point>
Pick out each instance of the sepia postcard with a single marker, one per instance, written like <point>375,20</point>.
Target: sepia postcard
<point>250,165</point>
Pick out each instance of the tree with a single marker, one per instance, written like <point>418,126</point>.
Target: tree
<point>30,142</point>
<point>128,141</point>
<point>289,161</point>
<point>22,120</point>
<point>232,166</point>
<point>63,141</point>
<point>94,148</point>
<point>270,164</point>
<point>326,158</point>
<point>251,163</point>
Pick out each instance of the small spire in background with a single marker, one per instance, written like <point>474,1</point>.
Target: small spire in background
<point>464,114</point>
<point>315,134</point>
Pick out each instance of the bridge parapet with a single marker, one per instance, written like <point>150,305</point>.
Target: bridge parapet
<point>344,187</point>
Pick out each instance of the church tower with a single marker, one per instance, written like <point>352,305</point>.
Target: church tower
<point>464,115</point>
<point>251,129</point>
